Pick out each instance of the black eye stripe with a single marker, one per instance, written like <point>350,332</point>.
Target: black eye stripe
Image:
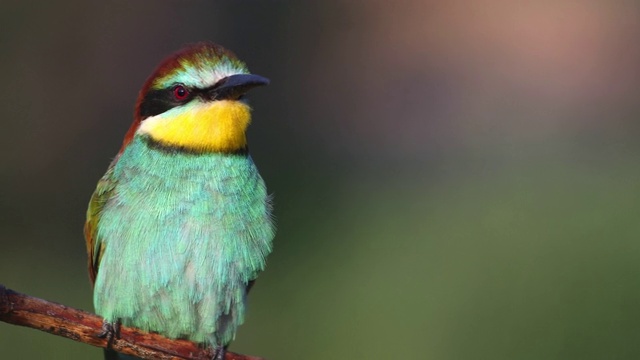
<point>158,101</point>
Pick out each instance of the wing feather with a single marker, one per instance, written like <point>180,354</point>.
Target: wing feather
<point>100,197</point>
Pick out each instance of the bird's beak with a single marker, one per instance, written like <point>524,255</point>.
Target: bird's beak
<point>234,86</point>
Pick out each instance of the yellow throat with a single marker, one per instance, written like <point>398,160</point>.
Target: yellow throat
<point>213,126</point>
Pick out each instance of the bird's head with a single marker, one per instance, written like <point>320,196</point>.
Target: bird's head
<point>193,102</point>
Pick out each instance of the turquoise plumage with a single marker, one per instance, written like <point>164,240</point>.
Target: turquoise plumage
<point>176,234</point>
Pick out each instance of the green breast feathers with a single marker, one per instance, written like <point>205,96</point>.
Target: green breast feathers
<point>177,237</point>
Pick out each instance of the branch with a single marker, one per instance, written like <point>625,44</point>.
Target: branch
<point>23,310</point>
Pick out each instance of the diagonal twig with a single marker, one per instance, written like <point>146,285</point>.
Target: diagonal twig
<point>23,310</point>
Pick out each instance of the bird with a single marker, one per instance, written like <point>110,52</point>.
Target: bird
<point>180,225</point>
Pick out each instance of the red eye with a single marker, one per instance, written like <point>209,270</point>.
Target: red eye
<point>180,92</point>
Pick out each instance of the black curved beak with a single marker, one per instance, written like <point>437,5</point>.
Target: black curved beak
<point>234,86</point>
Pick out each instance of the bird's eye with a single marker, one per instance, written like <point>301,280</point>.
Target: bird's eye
<point>180,92</point>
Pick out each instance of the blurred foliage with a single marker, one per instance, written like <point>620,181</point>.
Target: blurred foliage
<point>451,182</point>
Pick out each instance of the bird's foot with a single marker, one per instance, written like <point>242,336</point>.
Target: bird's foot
<point>219,353</point>
<point>110,330</point>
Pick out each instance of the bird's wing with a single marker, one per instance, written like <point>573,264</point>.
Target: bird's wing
<point>100,196</point>
<point>250,285</point>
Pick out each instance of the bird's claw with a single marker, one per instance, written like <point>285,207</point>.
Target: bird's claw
<point>219,353</point>
<point>110,331</point>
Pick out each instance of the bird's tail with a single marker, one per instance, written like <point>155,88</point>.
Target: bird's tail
<point>112,355</point>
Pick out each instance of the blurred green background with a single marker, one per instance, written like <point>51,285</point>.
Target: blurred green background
<point>452,179</point>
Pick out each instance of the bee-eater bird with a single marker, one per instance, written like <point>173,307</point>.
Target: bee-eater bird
<point>180,225</point>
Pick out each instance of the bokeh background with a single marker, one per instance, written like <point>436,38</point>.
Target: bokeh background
<point>453,179</point>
